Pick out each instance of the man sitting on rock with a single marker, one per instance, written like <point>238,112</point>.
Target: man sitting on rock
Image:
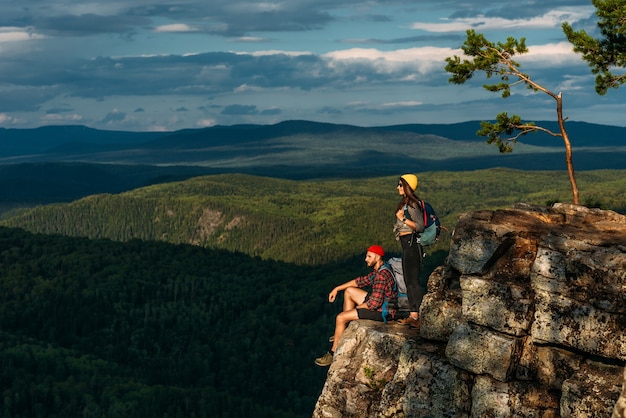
<point>379,305</point>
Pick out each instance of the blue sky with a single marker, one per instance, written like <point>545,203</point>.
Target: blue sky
<point>149,65</point>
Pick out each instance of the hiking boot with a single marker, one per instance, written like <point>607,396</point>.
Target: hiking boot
<point>415,324</point>
<point>325,360</point>
<point>409,320</point>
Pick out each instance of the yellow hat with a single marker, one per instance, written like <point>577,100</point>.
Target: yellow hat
<point>411,180</point>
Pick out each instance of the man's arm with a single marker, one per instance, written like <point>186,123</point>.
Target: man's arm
<point>333,293</point>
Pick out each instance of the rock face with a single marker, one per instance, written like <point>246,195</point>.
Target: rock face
<point>526,318</point>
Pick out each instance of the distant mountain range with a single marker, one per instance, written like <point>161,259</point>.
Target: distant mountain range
<point>58,163</point>
<point>74,142</point>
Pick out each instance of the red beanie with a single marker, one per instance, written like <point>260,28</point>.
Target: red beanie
<point>377,249</point>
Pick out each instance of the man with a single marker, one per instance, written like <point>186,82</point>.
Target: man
<point>359,304</point>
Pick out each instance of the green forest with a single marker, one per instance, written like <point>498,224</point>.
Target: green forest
<point>303,222</point>
<point>97,328</point>
<point>207,297</point>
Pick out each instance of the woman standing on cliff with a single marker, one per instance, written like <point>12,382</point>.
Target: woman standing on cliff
<point>409,222</point>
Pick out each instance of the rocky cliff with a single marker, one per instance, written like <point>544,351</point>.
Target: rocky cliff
<point>526,318</point>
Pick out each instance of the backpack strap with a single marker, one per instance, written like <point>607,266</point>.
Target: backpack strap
<point>424,213</point>
<point>420,206</point>
<point>385,307</point>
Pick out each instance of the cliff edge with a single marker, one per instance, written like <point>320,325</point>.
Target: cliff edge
<point>527,317</point>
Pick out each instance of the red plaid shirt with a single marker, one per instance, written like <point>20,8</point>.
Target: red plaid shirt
<point>383,287</point>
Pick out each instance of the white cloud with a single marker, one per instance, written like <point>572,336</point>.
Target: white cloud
<point>550,20</point>
<point>399,55</point>
<point>274,52</point>
<point>114,116</point>
<point>12,34</point>
<point>575,83</point>
<point>158,128</point>
<point>409,103</point>
<point>251,39</point>
<point>6,119</point>
<point>550,55</point>
<point>79,8</point>
<point>423,60</point>
<point>246,87</point>
<point>58,117</point>
<point>205,123</point>
<point>260,7</point>
<point>176,27</point>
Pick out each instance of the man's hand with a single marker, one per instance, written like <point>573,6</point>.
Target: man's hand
<point>332,295</point>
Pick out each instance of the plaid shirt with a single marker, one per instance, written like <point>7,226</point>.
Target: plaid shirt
<point>383,288</point>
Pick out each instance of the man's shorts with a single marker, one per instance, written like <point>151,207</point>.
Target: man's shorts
<point>365,313</point>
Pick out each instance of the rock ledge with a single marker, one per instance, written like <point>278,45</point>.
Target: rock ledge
<point>527,317</point>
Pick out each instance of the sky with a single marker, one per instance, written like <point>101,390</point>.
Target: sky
<point>151,65</point>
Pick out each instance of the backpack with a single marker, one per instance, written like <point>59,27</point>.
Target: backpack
<point>432,226</point>
<point>394,266</point>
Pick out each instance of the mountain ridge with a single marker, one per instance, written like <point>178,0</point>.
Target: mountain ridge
<point>294,143</point>
<point>50,138</point>
<point>62,163</point>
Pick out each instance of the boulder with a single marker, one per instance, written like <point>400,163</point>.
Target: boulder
<point>527,317</point>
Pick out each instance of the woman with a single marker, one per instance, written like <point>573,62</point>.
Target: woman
<point>409,222</point>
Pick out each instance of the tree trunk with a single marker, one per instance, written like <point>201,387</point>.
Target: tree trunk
<point>568,148</point>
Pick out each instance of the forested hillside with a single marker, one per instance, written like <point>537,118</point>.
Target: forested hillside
<point>305,222</point>
<point>96,328</point>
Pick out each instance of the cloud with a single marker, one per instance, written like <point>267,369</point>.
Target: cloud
<point>15,34</point>
<point>176,27</point>
<point>22,98</point>
<point>551,19</point>
<point>250,39</point>
<point>386,108</point>
<point>456,38</point>
<point>226,18</point>
<point>329,110</point>
<point>234,61</point>
<point>240,110</point>
<point>550,55</point>
<point>60,109</point>
<point>61,118</point>
<point>401,105</point>
<point>271,112</point>
<point>402,64</point>
<point>259,73</point>
<point>205,123</point>
<point>89,24</point>
<point>7,119</point>
<point>114,116</point>
<point>572,83</point>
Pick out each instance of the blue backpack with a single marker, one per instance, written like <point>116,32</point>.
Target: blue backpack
<point>432,226</point>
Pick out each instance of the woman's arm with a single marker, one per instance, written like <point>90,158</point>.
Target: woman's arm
<point>416,221</point>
